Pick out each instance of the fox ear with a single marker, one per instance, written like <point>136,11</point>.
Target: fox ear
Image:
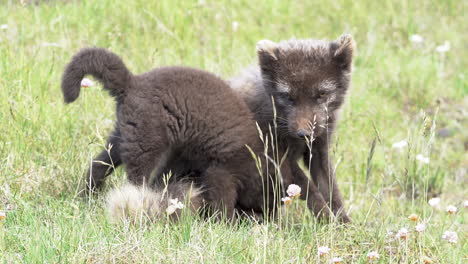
<point>344,51</point>
<point>267,51</point>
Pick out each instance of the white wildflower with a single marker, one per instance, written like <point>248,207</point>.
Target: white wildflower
<point>3,26</point>
<point>293,190</point>
<point>235,26</point>
<point>422,159</point>
<point>420,227</point>
<point>174,204</point>
<point>86,83</point>
<point>434,202</point>
<point>323,251</point>
<point>171,209</point>
<point>373,255</point>
<point>451,209</point>
<point>443,48</point>
<point>400,144</point>
<point>337,260</point>
<point>465,204</point>
<point>426,260</point>
<point>108,122</point>
<point>286,200</point>
<point>413,217</point>
<point>2,215</point>
<point>50,44</point>
<point>416,39</point>
<point>450,236</point>
<point>402,233</point>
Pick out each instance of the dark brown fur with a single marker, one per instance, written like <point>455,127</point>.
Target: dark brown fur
<point>308,80</point>
<point>179,119</point>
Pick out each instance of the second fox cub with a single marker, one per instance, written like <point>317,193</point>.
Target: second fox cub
<point>308,80</point>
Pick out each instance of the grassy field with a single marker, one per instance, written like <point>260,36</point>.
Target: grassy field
<point>403,89</point>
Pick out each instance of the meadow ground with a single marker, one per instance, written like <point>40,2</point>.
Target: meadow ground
<point>404,88</point>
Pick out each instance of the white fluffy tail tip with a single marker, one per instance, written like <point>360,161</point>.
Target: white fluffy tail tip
<point>135,205</point>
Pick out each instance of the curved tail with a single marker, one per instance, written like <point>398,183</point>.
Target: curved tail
<point>133,204</point>
<point>103,65</point>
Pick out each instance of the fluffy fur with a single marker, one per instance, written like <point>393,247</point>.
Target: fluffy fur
<point>138,204</point>
<point>308,80</point>
<point>180,120</point>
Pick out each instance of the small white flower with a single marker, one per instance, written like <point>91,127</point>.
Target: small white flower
<point>235,26</point>
<point>2,215</point>
<point>443,48</point>
<point>465,204</point>
<point>420,228</point>
<point>402,233</point>
<point>286,200</point>
<point>323,251</point>
<point>50,44</point>
<point>413,217</point>
<point>86,83</point>
<point>293,190</point>
<point>434,202</point>
<point>426,260</point>
<point>450,236</point>
<point>373,255</point>
<point>416,38</point>
<point>171,209</point>
<point>3,26</point>
<point>400,144</point>
<point>451,209</point>
<point>175,202</point>
<point>422,159</point>
<point>108,122</point>
<point>337,260</point>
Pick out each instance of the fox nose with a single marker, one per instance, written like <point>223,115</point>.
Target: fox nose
<point>302,133</point>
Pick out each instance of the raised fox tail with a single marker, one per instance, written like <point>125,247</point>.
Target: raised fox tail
<point>103,65</point>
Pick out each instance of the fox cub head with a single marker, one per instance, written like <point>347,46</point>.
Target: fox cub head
<point>308,80</point>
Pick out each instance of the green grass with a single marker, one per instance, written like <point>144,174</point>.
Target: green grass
<point>400,91</point>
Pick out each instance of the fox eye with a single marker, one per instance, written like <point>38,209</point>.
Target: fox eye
<point>285,96</point>
<point>322,94</point>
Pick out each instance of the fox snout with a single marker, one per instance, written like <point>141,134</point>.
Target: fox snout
<point>303,133</point>
<point>302,127</point>
<point>305,125</point>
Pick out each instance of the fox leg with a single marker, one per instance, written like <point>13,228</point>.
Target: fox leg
<point>220,190</point>
<point>315,200</point>
<point>105,163</point>
<point>323,176</point>
<point>145,152</point>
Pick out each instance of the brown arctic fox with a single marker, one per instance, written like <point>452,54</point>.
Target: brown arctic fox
<point>177,119</point>
<point>308,80</point>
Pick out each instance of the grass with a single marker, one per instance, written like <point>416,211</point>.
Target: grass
<point>401,91</point>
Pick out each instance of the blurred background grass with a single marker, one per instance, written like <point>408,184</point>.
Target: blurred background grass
<point>402,90</point>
